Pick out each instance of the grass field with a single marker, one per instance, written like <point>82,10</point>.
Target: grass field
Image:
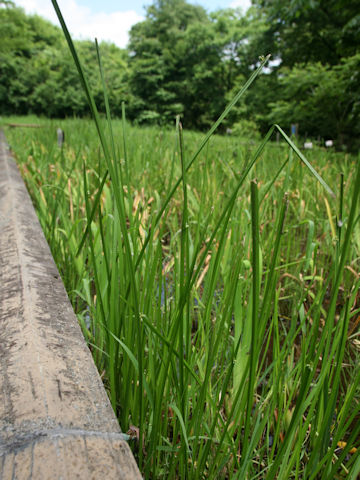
<point>223,315</point>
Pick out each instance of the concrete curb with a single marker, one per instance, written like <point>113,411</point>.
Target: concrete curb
<point>56,421</point>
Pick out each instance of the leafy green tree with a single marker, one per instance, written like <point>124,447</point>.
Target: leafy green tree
<point>324,100</point>
<point>176,65</point>
<point>303,31</point>
<point>15,33</point>
<point>38,75</point>
<point>315,81</point>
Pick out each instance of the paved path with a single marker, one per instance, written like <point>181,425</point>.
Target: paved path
<point>56,421</point>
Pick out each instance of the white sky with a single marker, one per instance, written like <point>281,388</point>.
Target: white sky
<point>108,20</point>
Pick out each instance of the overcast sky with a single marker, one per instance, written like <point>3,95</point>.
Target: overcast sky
<point>108,20</point>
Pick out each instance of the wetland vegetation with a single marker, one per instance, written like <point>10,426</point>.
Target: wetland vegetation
<point>223,315</point>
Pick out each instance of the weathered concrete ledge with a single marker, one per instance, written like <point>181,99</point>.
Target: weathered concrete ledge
<point>55,418</point>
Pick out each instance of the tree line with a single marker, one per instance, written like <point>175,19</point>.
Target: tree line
<point>184,61</point>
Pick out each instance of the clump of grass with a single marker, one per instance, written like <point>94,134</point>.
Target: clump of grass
<point>217,300</point>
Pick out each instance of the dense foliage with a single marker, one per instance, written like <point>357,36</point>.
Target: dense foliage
<point>318,79</point>
<point>38,75</point>
<point>182,60</point>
